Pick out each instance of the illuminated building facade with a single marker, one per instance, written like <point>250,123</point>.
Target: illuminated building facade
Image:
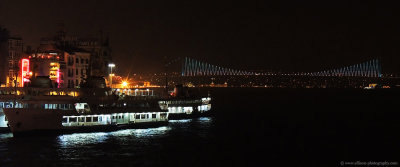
<point>76,69</point>
<point>47,63</point>
<point>67,60</point>
<point>11,51</point>
<point>67,70</point>
<point>98,48</point>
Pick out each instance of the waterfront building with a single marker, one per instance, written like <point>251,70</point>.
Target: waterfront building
<point>11,50</point>
<point>98,48</point>
<point>69,60</point>
<point>65,69</point>
<point>77,68</point>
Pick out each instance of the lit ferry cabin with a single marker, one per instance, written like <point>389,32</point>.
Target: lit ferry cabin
<point>183,105</point>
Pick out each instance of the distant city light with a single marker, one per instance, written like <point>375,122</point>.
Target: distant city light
<point>124,84</point>
<point>111,65</point>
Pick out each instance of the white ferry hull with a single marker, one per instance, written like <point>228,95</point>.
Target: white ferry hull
<point>31,122</point>
<point>21,120</point>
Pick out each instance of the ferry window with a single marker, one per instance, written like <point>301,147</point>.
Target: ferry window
<point>73,119</point>
<point>65,120</point>
<point>122,117</point>
<point>154,115</point>
<point>100,118</point>
<point>46,106</point>
<point>137,117</point>
<point>88,119</point>
<point>95,119</point>
<point>81,119</point>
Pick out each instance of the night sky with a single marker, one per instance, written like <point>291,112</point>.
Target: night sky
<point>248,35</point>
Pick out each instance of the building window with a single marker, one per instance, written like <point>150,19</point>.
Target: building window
<point>70,61</point>
<point>77,61</point>
<point>77,72</point>
<point>82,72</point>
<point>70,73</point>
<point>81,61</point>
<point>87,61</point>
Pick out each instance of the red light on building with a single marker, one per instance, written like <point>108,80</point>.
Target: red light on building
<point>24,71</point>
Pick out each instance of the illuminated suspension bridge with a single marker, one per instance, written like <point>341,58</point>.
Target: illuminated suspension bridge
<point>192,67</point>
<point>370,68</point>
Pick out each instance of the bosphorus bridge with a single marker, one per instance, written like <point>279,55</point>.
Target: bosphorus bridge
<point>371,69</point>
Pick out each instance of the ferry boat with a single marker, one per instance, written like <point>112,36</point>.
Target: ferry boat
<point>83,109</point>
<point>183,105</point>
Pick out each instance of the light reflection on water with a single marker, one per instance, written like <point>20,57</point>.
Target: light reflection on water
<point>180,121</point>
<point>142,132</point>
<point>80,139</point>
<point>205,119</point>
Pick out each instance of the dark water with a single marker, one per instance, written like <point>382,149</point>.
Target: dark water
<point>250,127</point>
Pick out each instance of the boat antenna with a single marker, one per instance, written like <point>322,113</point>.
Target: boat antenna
<point>166,75</point>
